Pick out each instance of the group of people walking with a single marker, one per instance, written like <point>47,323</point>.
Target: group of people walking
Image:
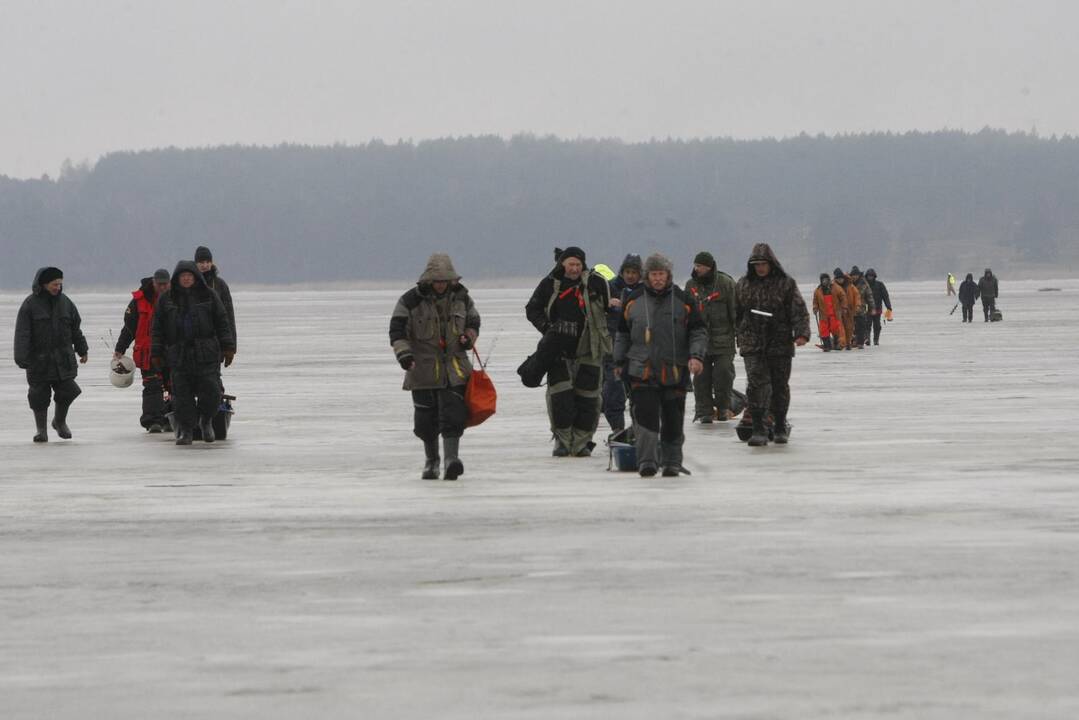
<point>849,307</point>
<point>182,325</point>
<point>987,288</point>
<point>638,336</point>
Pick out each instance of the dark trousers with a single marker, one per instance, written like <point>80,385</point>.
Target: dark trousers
<point>968,313</point>
<point>712,386</point>
<point>153,399</point>
<point>42,393</point>
<point>988,306</point>
<point>439,412</point>
<point>874,324</point>
<point>195,395</point>
<point>614,397</point>
<point>659,415</point>
<point>574,401</point>
<point>768,384</point>
<point>861,327</point>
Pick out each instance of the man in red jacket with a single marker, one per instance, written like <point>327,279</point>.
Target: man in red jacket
<point>138,319</point>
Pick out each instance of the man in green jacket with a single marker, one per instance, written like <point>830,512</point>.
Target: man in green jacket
<point>712,293</point>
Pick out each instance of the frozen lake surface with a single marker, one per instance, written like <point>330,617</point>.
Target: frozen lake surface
<point>913,553</point>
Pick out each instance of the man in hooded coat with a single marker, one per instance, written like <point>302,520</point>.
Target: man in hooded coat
<point>48,336</point>
<point>989,289</point>
<point>190,335</point>
<point>712,292</point>
<point>569,307</point>
<point>881,302</point>
<point>138,321</point>
<point>772,319</point>
<point>968,295</point>
<point>432,328</point>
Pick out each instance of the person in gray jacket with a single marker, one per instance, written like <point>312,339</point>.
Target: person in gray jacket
<point>661,340</point>
<point>433,327</point>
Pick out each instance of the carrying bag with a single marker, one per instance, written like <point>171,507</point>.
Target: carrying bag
<point>480,395</point>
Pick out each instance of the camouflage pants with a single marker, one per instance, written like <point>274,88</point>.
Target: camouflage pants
<point>712,385</point>
<point>768,383</point>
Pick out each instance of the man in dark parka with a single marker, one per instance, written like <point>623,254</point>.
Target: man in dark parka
<point>989,289</point>
<point>614,389</point>
<point>204,260</point>
<point>712,291</point>
<point>190,336</point>
<point>881,302</point>
<point>968,295</point>
<point>772,319</point>
<point>433,327</point>
<point>48,336</point>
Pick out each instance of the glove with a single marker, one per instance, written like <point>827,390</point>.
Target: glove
<point>229,355</point>
<point>406,361</point>
<point>466,340</point>
<point>888,315</point>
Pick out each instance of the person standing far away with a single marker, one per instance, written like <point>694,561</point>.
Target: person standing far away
<point>863,309</point>
<point>433,327</point>
<point>951,284</point>
<point>772,320</point>
<point>712,292</point>
<point>570,306</point>
<point>614,389</point>
<point>853,300</point>
<point>190,335</point>
<point>138,320</point>
<point>48,336</point>
<point>968,295</point>
<point>204,260</point>
<point>661,340</point>
<point>881,300</point>
<point>990,290</point>
<point>829,304</point>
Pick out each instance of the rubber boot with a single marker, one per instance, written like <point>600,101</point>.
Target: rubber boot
<point>454,467</point>
<point>432,462</point>
<point>647,452</point>
<point>59,421</point>
<point>759,438</point>
<point>41,417</point>
<point>671,454</point>
<point>206,427</point>
<point>826,344</point>
<point>183,436</point>
<point>779,430</point>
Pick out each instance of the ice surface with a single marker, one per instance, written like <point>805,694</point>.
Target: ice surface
<point>912,553</point>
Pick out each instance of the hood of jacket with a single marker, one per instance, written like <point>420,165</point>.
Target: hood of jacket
<point>439,269</point>
<point>37,288</point>
<point>763,251</point>
<point>187,266</point>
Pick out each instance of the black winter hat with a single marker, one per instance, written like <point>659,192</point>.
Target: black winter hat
<point>631,262</point>
<point>557,254</point>
<point>871,273</point>
<point>704,258</point>
<point>825,276</point>
<point>572,252</point>
<point>854,270</point>
<point>162,275</point>
<point>838,273</point>
<point>202,253</point>
<point>50,274</point>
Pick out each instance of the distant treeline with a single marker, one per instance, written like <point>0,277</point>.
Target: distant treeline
<point>913,205</point>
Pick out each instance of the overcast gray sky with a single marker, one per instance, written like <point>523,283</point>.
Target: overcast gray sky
<point>79,79</point>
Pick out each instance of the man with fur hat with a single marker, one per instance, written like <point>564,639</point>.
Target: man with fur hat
<point>829,305</point>
<point>863,309</point>
<point>570,307</point>
<point>204,260</point>
<point>772,320</point>
<point>661,340</point>
<point>190,335</point>
<point>882,305</point>
<point>48,336</point>
<point>138,321</point>
<point>433,327</point>
<point>712,292</point>
<point>614,389</point>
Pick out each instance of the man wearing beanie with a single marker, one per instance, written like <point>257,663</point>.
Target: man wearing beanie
<point>138,320</point>
<point>772,320</point>
<point>569,307</point>
<point>712,292</point>
<point>614,389</point>
<point>48,336</point>
<point>661,340</point>
<point>204,261</point>
<point>433,327</point>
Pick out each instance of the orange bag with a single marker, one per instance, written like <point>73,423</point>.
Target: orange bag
<point>480,395</point>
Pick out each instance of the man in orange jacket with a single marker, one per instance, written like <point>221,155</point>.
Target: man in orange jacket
<point>138,320</point>
<point>829,305</point>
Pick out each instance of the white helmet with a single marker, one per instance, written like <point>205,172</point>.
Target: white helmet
<point>122,372</point>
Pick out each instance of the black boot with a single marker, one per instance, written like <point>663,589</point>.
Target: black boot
<point>759,438</point>
<point>430,468</point>
<point>454,467</point>
<point>41,417</point>
<point>59,421</point>
<point>826,344</point>
<point>183,436</point>
<point>206,427</point>
<point>779,431</point>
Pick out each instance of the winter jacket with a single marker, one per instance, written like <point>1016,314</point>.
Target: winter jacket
<point>987,286</point>
<point>776,293</point>
<point>880,297</point>
<point>216,283</point>
<point>866,304</point>
<point>430,326</point>
<point>190,331</point>
<point>713,297</point>
<point>968,291</point>
<point>589,300</point>
<point>659,332</point>
<point>839,301</point>
<point>620,290</point>
<point>48,335</point>
<point>138,320</point>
